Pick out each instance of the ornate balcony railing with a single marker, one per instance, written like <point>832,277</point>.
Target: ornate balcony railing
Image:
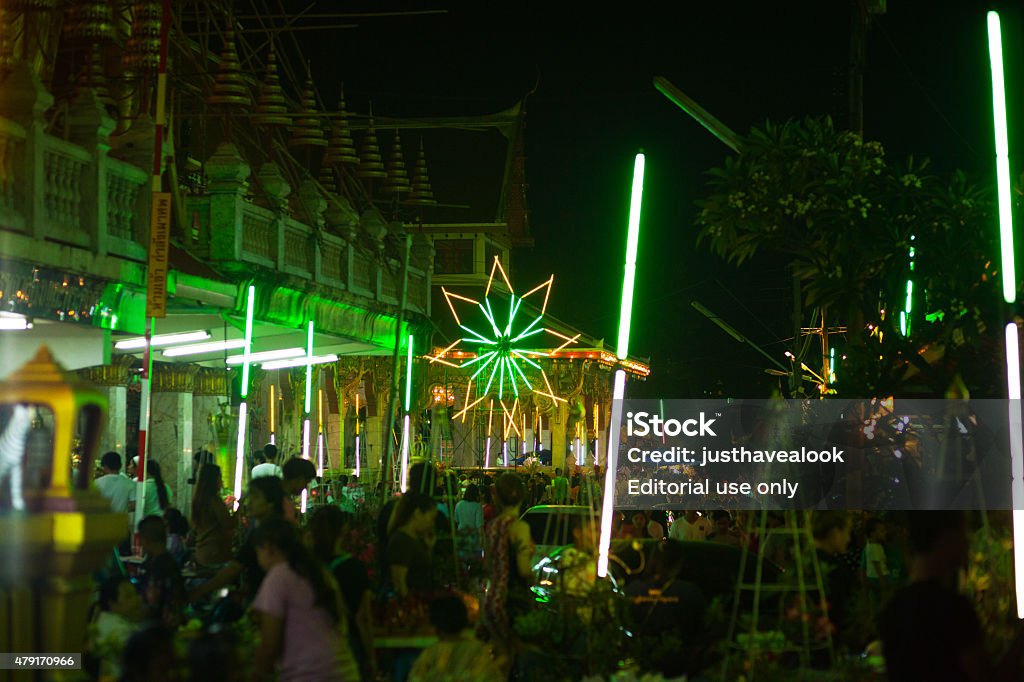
<point>55,190</point>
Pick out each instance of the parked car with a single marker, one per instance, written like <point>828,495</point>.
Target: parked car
<point>551,526</point>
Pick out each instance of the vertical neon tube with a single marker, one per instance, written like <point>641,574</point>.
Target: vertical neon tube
<point>504,448</point>
<point>1008,274</point>
<point>405,424</point>
<point>357,433</point>
<point>320,432</point>
<point>273,406</point>
<point>995,52</point>
<point>490,423</point>
<point>524,435</point>
<point>1016,459</point>
<point>632,244</point>
<point>622,351</point>
<point>250,311</point>
<point>308,404</point>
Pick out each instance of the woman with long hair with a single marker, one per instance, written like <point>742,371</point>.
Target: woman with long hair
<point>263,505</point>
<point>213,523</point>
<point>158,493</point>
<point>508,551</point>
<point>301,615</point>
<point>326,532</point>
<point>410,543</point>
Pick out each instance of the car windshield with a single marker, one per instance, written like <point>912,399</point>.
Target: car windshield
<point>552,526</point>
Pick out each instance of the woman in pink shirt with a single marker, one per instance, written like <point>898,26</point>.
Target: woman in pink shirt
<point>302,622</point>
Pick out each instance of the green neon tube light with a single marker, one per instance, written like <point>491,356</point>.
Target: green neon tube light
<point>250,309</point>
<point>995,52</point>
<point>309,367</point>
<point>632,242</point>
<point>619,389</point>
<point>408,375</point>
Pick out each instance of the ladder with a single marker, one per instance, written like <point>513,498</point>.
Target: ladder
<point>797,530</point>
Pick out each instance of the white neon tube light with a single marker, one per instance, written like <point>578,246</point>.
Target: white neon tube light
<point>267,355</point>
<point>161,340</point>
<point>299,362</point>
<point>203,348</point>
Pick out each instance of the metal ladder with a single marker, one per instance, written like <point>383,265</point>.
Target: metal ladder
<point>797,528</point>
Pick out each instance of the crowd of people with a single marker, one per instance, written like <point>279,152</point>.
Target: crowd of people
<point>313,603</point>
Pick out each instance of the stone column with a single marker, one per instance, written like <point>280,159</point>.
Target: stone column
<point>25,101</point>
<point>112,380</point>
<point>90,127</point>
<point>559,445</point>
<point>210,390</point>
<point>227,172</point>
<point>170,428</point>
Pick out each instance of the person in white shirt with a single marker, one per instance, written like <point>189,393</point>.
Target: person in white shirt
<point>117,620</point>
<point>120,490</point>
<point>270,467</point>
<point>690,526</point>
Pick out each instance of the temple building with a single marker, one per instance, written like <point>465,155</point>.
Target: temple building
<point>303,242</point>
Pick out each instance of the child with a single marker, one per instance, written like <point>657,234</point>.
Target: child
<point>118,618</point>
<point>163,590</point>
<point>457,657</point>
<point>177,531</point>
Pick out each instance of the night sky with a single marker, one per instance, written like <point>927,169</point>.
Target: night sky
<point>926,93</point>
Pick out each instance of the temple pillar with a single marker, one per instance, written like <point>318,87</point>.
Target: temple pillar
<point>559,449</point>
<point>170,428</point>
<point>112,382</point>
<point>210,390</point>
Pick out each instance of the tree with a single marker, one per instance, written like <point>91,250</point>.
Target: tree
<point>853,229</point>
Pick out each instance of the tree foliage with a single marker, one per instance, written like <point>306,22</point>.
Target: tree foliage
<point>848,222</point>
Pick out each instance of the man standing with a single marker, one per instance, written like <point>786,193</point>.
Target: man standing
<point>269,467</point>
<point>120,490</point>
<point>929,630</point>
<point>561,488</point>
<point>690,526</point>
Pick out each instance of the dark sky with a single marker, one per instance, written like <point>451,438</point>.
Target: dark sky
<point>926,94</point>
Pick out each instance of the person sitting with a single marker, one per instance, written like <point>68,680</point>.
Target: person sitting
<point>120,490</point>
<point>163,590</point>
<point>269,466</point>
<point>457,656</point>
<point>264,503</point>
<point>177,531</point>
<point>662,604</point>
<point>112,627</point>
<point>930,631</point>
<point>214,525</point>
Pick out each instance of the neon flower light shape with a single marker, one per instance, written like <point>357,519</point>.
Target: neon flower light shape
<point>501,350</point>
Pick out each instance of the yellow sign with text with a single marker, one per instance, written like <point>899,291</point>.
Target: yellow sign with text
<point>159,250</point>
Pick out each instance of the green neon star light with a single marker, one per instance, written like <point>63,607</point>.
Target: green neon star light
<point>500,342</point>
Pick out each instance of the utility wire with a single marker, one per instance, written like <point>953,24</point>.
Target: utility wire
<point>924,91</point>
